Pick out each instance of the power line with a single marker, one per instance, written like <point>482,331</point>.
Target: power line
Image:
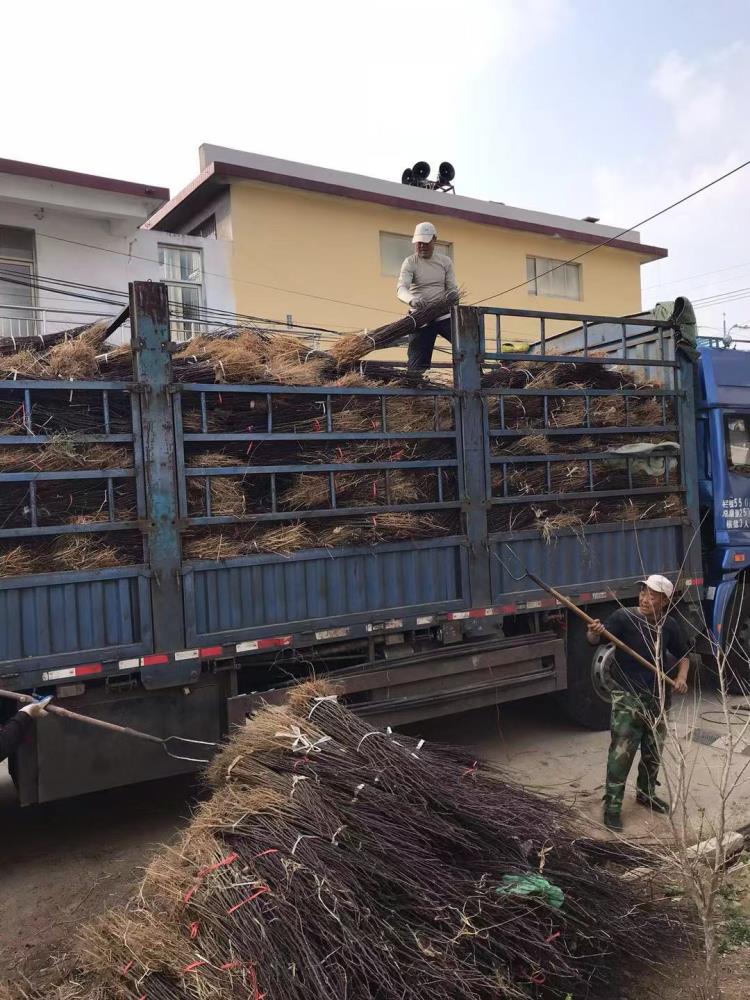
<point>34,282</point>
<point>225,277</point>
<point>617,236</point>
<point>690,277</point>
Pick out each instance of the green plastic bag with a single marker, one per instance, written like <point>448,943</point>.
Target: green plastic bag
<point>532,885</point>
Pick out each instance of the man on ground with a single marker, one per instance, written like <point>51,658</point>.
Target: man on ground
<point>641,699</point>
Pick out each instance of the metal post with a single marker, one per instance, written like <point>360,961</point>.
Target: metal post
<point>149,319</point>
<point>474,447</point>
<point>685,404</point>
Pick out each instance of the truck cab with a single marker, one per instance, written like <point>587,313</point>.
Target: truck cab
<point>723,439</point>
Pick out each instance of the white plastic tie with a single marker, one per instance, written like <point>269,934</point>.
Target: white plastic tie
<point>374,732</point>
<point>319,701</point>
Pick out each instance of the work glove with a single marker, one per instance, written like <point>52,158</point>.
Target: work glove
<point>36,708</point>
<point>415,303</point>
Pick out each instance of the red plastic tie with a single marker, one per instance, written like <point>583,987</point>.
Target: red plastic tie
<point>538,979</point>
<point>271,850</point>
<point>552,937</point>
<point>316,424</point>
<point>471,770</point>
<point>194,965</point>
<point>221,401</point>
<point>189,894</point>
<point>230,965</point>
<point>263,889</point>
<point>219,864</point>
<point>126,968</point>
<point>194,928</point>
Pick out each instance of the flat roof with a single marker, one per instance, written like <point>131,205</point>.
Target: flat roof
<point>55,174</point>
<point>221,166</point>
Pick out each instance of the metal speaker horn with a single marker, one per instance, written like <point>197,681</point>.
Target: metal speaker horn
<point>421,171</point>
<point>446,172</point>
<point>408,176</point>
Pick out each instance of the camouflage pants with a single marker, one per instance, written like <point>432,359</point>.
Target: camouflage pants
<point>637,723</point>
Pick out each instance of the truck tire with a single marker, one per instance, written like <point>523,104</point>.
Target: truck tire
<point>736,633</point>
<point>586,700</point>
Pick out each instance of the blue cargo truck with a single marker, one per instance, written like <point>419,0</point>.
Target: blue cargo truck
<point>412,628</point>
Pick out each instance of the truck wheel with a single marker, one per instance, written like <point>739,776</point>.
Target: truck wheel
<point>587,698</point>
<point>736,633</point>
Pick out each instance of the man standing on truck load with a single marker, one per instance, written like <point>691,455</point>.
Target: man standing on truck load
<point>426,277</point>
<point>638,705</point>
<point>15,729</point>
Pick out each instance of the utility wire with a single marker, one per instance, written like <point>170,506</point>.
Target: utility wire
<point>617,236</point>
<point>35,283</point>
<point>225,277</point>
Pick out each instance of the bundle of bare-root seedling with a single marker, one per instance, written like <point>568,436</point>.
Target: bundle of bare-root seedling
<point>592,423</point>
<point>333,860</point>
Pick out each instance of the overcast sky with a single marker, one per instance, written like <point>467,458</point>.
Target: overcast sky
<point>578,107</point>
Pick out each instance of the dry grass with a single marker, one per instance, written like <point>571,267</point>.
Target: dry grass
<point>62,453</point>
<point>73,359</point>
<point>215,544</point>
<point>550,527</point>
<point>311,490</point>
<point>213,460</point>
<point>227,496</point>
<point>84,552</point>
<point>646,508</point>
<point>21,560</point>
<point>23,364</point>
<point>530,444</point>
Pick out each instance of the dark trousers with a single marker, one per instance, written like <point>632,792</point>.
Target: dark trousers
<point>422,342</point>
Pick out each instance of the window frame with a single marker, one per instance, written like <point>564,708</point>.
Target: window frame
<point>32,321</point>
<point>732,468</point>
<point>183,329</point>
<point>533,282</point>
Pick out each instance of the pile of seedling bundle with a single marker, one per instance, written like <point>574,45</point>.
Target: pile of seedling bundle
<point>245,356</point>
<point>236,511</point>
<point>335,860</point>
<point>607,462</point>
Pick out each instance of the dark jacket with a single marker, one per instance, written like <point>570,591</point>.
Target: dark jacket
<point>13,732</point>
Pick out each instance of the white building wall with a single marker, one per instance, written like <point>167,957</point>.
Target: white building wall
<point>106,252</point>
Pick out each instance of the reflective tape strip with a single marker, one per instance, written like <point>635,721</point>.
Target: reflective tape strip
<point>697,582</point>
<point>84,670</point>
<point>382,626</point>
<point>426,620</point>
<point>332,633</point>
<point>599,595</point>
<point>211,650</point>
<point>154,660</point>
<point>454,616</point>
<point>129,664</point>
<point>253,644</point>
<point>188,654</point>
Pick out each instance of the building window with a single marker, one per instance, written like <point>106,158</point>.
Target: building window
<point>394,250</point>
<point>553,278</point>
<point>17,315</point>
<point>207,228</point>
<point>738,444</point>
<point>182,269</point>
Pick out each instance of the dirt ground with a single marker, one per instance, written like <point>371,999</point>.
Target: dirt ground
<point>65,862</point>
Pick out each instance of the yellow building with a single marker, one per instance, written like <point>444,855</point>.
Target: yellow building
<point>324,247</point>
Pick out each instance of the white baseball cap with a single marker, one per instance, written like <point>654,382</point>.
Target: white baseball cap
<point>658,583</point>
<point>424,233</point>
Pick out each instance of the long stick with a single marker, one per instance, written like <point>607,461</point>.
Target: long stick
<point>100,723</point>
<point>607,635</point>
